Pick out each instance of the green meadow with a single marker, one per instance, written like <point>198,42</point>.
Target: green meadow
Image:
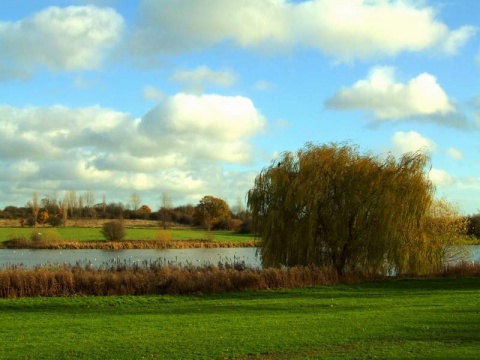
<point>394,319</point>
<point>94,234</point>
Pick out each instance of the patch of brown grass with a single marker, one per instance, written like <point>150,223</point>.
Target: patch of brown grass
<point>157,278</point>
<point>153,279</point>
<point>159,243</point>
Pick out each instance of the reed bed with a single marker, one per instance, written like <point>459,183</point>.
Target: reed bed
<point>153,278</point>
<point>22,243</point>
<point>157,278</point>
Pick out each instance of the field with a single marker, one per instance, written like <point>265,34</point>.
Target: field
<point>435,318</point>
<point>94,234</point>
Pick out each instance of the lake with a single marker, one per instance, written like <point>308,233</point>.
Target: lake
<point>213,256</point>
<point>181,257</point>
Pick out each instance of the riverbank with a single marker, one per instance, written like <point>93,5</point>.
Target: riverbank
<point>123,245</point>
<point>391,319</point>
<point>136,238</point>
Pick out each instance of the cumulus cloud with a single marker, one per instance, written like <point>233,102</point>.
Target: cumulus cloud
<point>208,117</point>
<point>196,80</point>
<point>344,29</point>
<point>389,99</point>
<point>60,39</point>
<point>176,147</point>
<point>412,141</point>
<point>441,178</point>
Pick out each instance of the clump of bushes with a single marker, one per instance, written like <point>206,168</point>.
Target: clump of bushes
<point>113,230</point>
<point>55,221</point>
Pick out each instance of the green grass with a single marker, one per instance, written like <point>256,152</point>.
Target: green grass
<point>424,319</point>
<point>92,234</point>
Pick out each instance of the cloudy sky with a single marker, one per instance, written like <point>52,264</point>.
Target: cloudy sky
<point>194,97</point>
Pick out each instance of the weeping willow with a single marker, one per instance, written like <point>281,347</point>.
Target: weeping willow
<point>332,205</point>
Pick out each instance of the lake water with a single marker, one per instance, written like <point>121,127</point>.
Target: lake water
<point>30,258</point>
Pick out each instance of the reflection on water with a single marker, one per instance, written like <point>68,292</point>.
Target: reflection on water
<point>181,257</point>
<point>30,258</point>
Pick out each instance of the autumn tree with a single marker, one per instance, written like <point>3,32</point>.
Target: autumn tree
<point>446,230</point>
<point>43,217</point>
<point>332,205</point>
<point>144,211</point>
<point>210,210</point>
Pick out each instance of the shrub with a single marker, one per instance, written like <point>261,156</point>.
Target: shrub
<point>36,236</point>
<point>55,221</point>
<point>113,230</point>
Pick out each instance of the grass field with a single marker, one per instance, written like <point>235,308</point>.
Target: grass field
<point>94,234</point>
<point>425,319</point>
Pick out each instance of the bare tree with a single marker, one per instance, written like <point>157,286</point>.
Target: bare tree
<point>135,201</point>
<point>104,206</point>
<point>72,203</point>
<point>63,205</point>
<point>89,202</point>
<point>165,209</point>
<point>35,208</point>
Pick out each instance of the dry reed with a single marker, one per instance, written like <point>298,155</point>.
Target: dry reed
<point>149,278</point>
<point>162,243</point>
<point>153,278</point>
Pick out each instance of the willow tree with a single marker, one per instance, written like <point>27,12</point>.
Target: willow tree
<point>332,205</point>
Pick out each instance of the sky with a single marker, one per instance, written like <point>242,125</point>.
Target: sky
<point>194,97</point>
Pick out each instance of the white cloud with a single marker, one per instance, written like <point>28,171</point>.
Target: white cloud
<point>61,39</point>
<point>177,147</point>
<point>208,117</point>
<point>412,141</point>
<point>152,93</point>
<point>389,99</point>
<point>441,178</point>
<point>454,153</point>
<point>456,39</point>
<point>196,80</point>
<point>344,29</point>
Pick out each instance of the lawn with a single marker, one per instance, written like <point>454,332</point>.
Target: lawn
<point>92,234</point>
<point>397,319</point>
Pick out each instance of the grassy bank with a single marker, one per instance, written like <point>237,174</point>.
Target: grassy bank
<point>397,319</point>
<point>82,237</point>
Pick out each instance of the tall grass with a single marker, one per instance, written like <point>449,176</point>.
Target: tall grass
<point>120,278</point>
<point>153,278</point>
<point>159,243</point>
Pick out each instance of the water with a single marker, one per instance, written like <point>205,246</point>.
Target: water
<point>29,258</point>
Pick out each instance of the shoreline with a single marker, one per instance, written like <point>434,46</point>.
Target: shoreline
<point>123,245</point>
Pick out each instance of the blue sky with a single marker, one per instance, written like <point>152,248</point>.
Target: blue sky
<point>194,98</point>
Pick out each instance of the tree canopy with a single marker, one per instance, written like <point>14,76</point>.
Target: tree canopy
<point>211,210</point>
<point>332,205</point>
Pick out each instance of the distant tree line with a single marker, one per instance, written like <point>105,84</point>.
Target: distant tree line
<point>211,212</point>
